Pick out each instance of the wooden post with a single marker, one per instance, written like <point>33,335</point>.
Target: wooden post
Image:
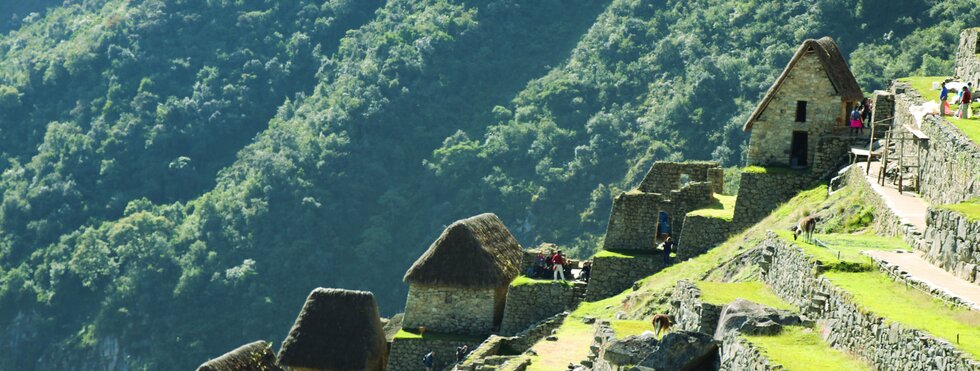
<point>901,162</point>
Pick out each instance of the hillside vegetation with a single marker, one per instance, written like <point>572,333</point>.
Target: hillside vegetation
<point>178,174</point>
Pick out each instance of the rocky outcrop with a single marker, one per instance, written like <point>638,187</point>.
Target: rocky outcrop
<point>682,350</point>
<point>953,242</point>
<point>751,318</point>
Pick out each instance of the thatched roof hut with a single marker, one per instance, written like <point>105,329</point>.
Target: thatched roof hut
<point>336,330</point>
<point>476,252</point>
<point>833,63</point>
<point>256,356</point>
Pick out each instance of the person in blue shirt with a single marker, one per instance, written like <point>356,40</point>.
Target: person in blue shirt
<point>943,97</point>
<point>429,360</point>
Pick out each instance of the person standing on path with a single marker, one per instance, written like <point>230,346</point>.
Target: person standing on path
<point>429,360</point>
<point>559,262</point>
<point>967,99</point>
<point>856,126</point>
<point>668,245</point>
<point>943,100</point>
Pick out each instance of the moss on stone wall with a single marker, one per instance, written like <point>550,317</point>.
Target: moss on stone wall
<point>969,208</point>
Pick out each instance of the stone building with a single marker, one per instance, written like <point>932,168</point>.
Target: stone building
<point>968,56</point>
<point>459,285</point>
<point>256,356</point>
<point>794,124</point>
<point>660,202</point>
<point>336,330</point>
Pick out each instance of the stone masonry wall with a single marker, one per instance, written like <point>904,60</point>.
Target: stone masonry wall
<point>953,243</point>
<point>490,354</point>
<point>700,234</point>
<point>406,354</point>
<point>450,310</point>
<point>613,275</point>
<point>951,167</point>
<point>792,275</point>
<point>761,193</point>
<point>898,275</point>
<point>885,221</point>
<point>967,58</point>
<point>738,354</point>
<point>527,304</point>
<point>664,177</point>
<point>635,215</point>
<point>772,132</point>
<point>689,312</point>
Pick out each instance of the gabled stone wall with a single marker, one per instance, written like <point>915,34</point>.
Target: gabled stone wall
<point>613,275</point>
<point>968,56</point>
<point>772,132</point>
<point>635,215</point>
<point>664,176</point>
<point>527,304</point>
<point>450,310</point>
<point>690,313</point>
<point>761,193</point>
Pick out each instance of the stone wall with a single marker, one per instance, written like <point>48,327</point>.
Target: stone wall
<point>772,132</point>
<point>738,354</point>
<point>450,310</point>
<point>406,353</point>
<point>967,58</point>
<point>951,164</point>
<point>896,273</point>
<point>664,176</point>
<point>530,303</point>
<point>613,275</point>
<point>883,111</point>
<point>689,312</point>
<point>761,193</point>
<point>953,243</point>
<point>499,352</point>
<point>635,215</point>
<point>885,222</point>
<point>792,275</point>
<point>701,233</point>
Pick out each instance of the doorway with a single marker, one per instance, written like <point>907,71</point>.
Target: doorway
<point>798,150</point>
<point>663,225</point>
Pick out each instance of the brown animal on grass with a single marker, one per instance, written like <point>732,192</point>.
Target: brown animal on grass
<point>661,322</point>
<point>805,227</point>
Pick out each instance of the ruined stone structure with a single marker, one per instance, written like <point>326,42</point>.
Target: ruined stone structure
<point>636,214</point>
<point>690,313</point>
<point>530,303</point>
<point>808,103</point>
<point>968,56</point>
<point>459,285</point>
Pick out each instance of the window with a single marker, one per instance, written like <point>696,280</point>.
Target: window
<point>801,111</point>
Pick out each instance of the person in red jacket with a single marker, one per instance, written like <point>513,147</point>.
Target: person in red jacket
<point>967,99</point>
<point>559,262</point>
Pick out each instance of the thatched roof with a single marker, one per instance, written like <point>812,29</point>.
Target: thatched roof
<point>476,252</point>
<point>336,329</point>
<point>833,63</point>
<point>257,356</point>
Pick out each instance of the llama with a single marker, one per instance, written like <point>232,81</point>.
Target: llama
<point>661,322</point>
<point>805,227</point>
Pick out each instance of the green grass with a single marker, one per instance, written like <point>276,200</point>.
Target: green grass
<point>429,335</point>
<point>721,207</point>
<point>800,349</point>
<point>877,293</point>
<point>923,85</point>
<point>624,328</point>
<point>524,280</point>
<point>969,208</point>
<point>721,293</point>
<point>843,250</point>
<point>778,170</point>
<point>611,254</point>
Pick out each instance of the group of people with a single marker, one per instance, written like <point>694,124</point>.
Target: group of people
<point>556,266</point>
<point>964,96</point>
<point>860,117</point>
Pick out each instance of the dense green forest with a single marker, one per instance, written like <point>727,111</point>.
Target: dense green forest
<point>178,174</point>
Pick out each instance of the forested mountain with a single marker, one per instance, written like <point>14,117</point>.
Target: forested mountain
<point>178,174</point>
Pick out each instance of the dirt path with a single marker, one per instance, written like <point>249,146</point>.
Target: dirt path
<point>908,206</point>
<point>932,276</point>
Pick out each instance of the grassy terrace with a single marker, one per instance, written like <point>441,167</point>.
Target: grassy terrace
<point>876,292</point>
<point>781,170</point>
<point>923,85</point>
<point>801,349</point>
<point>721,293</point>
<point>722,207</point>
<point>970,208</point>
<point>524,280</point>
<point>842,251</point>
<point>406,334</point>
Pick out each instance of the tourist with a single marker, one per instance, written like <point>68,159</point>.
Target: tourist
<point>559,268</point>
<point>958,100</point>
<point>866,112</point>
<point>943,99</point>
<point>586,271</point>
<point>668,245</point>
<point>429,360</point>
<point>461,352</point>
<point>856,121</point>
<point>966,100</point>
<point>540,266</point>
